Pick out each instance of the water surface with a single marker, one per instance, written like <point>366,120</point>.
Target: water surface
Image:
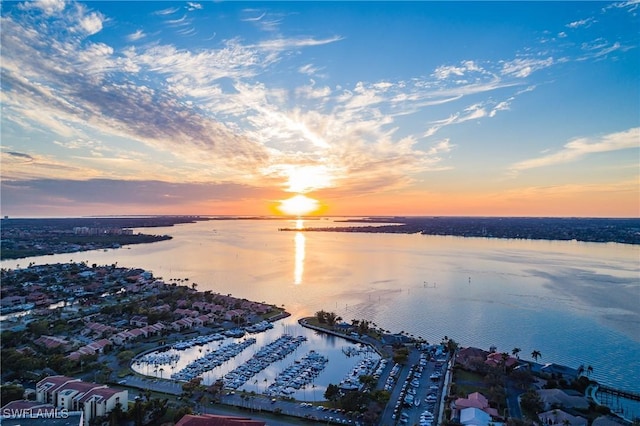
<point>576,303</point>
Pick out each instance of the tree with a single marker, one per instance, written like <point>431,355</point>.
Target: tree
<point>332,392</point>
<point>580,370</point>
<point>331,318</point>
<point>531,403</point>
<point>116,415</point>
<point>589,370</point>
<point>535,354</point>
<point>10,393</point>
<point>516,352</point>
<point>181,412</point>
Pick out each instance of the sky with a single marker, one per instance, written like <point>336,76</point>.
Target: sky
<point>357,108</point>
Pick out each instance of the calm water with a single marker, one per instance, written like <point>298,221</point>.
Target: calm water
<point>577,303</point>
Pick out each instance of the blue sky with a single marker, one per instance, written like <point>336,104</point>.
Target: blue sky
<point>458,108</point>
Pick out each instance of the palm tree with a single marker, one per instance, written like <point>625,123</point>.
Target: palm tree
<point>515,352</point>
<point>535,354</point>
<point>581,370</point>
<point>589,370</point>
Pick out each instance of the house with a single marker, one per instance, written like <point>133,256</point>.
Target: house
<point>154,329</point>
<point>560,371</point>
<point>71,394</point>
<point>557,398</point>
<point>186,313</point>
<point>559,417</point>
<point>98,329</point>
<point>162,308</point>
<point>475,400</point>
<point>139,321</point>
<point>232,314</point>
<point>475,417</point>
<point>217,420</point>
<point>469,357</point>
<point>182,324</point>
<point>12,301</point>
<point>51,342</point>
<point>497,359</point>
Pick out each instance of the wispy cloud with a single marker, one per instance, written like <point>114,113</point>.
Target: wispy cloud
<point>290,43</point>
<point>167,11</point>
<point>524,67</point>
<point>587,22</point>
<point>136,36</point>
<point>191,6</point>
<point>581,147</point>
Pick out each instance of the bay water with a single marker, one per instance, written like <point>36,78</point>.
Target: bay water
<point>576,303</point>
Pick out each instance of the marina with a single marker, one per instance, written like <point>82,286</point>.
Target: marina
<point>285,360</point>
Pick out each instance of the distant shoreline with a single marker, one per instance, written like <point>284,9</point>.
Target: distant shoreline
<point>592,230</point>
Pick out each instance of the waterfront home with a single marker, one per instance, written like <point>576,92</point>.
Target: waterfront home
<point>558,398</point>
<point>75,395</point>
<point>497,359</point>
<point>470,357</point>
<point>559,417</point>
<point>182,324</point>
<point>234,314</point>
<point>559,371</point>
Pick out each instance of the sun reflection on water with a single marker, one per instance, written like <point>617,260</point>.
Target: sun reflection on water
<point>300,241</point>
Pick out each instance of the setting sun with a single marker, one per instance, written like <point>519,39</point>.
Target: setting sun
<point>298,205</point>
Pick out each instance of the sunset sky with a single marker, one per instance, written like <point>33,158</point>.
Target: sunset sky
<point>370,108</point>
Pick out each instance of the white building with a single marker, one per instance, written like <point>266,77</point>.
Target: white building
<point>75,395</point>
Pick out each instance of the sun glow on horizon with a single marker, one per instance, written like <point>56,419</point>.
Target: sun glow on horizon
<point>298,205</point>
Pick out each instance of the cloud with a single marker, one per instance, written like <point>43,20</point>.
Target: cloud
<point>289,43</point>
<point>501,106</point>
<point>91,23</point>
<point>36,195</point>
<point>191,6</point>
<point>581,23</point>
<point>445,71</point>
<point>581,147</point>
<point>599,48</point>
<point>48,7</point>
<point>136,36</point>
<point>18,157</point>
<point>524,67</point>
<point>255,18</point>
<point>168,11</point>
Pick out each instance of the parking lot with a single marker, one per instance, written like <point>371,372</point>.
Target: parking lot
<point>416,390</point>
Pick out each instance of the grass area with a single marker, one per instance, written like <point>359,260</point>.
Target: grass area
<point>468,382</point>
